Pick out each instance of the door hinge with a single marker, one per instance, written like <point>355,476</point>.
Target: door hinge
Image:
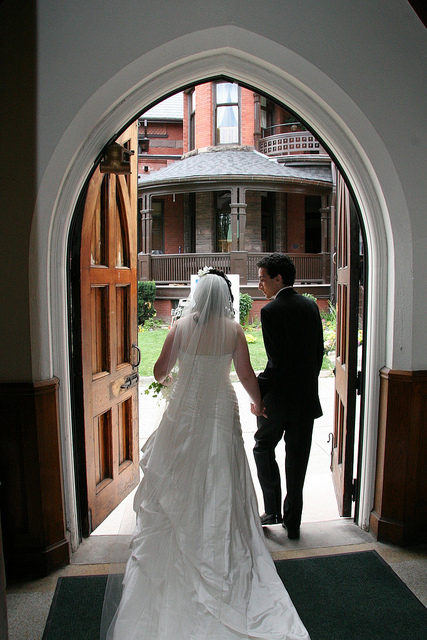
<point>359,383</point>
<point>89,519</point>
<point>354,486</point>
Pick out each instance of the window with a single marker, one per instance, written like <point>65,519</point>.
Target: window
<point>191,223</point>
<point>266,116</point>
<point>226,113</point>
<point>268,210</point>
<point>191,120</point>
<point>313,233</point>
<point>223,224</point>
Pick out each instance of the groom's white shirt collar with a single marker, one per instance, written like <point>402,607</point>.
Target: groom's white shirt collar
<point>289,286</point>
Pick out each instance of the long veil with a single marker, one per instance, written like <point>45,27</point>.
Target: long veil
<point>206,328</point>
<point>199,566</point>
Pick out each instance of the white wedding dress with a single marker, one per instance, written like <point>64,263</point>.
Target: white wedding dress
<point>199,567</point>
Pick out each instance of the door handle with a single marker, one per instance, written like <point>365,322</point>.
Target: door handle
<point>138,350</point>
<point>331,439</point>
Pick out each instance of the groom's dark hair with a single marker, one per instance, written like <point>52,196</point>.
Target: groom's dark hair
<point>279,263</point>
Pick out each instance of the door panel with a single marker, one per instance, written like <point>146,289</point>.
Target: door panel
<point>108,273</point>
<point>347,299</point>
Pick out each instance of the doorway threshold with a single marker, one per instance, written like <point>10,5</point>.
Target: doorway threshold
<point>321,536</point>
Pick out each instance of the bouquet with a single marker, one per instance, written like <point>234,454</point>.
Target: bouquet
<point>164,390</point>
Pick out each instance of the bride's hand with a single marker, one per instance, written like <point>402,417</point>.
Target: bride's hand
<point>258,410</point>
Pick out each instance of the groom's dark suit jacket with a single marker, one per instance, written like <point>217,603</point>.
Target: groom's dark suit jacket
<point>293,338</point>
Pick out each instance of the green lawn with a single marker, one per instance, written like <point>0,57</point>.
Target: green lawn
<point>150,342</point>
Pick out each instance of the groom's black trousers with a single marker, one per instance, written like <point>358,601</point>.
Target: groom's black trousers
<point>297,435</point>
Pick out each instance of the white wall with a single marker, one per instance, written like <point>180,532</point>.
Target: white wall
<point>362,63</point>
<point>354,70</point>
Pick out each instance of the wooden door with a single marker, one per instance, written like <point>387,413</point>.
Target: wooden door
<point>108,276</point>
<point>347,304</point>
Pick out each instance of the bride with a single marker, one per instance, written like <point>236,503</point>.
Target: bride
<point>199,567</point>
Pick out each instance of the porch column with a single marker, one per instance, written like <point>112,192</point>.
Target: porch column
<point>239,265</point>
<point>238,218</point>
<point>325,213</point>
<point>147,223</point>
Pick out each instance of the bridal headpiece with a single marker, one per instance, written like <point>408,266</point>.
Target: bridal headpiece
<point>204,271</point>
<point>213,293</point>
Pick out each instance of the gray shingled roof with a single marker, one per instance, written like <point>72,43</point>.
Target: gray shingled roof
<point>233,163</point>
<point>170,109</point>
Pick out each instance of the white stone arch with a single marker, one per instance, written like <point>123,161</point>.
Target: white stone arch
<point>287,78</point>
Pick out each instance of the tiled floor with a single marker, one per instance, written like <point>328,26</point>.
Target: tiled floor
<point>322,532</point>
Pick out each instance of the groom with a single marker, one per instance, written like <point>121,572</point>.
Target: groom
<point>293,338</point>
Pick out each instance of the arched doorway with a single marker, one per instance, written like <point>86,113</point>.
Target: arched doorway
<point>283,88</point>
<point>344,427</point>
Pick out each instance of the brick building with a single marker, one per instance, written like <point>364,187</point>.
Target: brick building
<point>251,180</point>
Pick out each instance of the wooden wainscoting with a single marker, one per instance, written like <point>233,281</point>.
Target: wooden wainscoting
<point>30,475</point>
<point>400,506</point>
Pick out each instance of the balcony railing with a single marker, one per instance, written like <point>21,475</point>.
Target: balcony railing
<point>290,143</point>
<point>178,268</point>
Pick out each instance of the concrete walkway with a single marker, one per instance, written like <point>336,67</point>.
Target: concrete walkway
<point>319,497</point>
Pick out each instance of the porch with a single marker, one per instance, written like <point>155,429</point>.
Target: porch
<point>174,269</point>
<point>172,275</point>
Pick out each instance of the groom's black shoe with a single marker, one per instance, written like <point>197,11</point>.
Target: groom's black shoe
<point>270,518</point>
<point>293,534</point>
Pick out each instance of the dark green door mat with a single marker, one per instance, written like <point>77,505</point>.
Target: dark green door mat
<point>353,596</point>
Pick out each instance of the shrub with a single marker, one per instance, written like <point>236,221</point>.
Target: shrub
<point>146,297</point>
<point>245,305</point>
<point>250,339</point>
<point>329,321</point>
<point>308,295</point>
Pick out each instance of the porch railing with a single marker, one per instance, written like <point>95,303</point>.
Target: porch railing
<point>178,268</point>
<point>309,266</point>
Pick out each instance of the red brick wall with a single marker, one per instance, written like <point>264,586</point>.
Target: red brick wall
<point>257,305</point>
<point>170,145</point>
<point>323,304</point>
<point>247,116</point>
<point>163,310</point>
<point>254,313</point>
<point>204,115</point>
<point>174,223</point>
<point>153,164</point>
